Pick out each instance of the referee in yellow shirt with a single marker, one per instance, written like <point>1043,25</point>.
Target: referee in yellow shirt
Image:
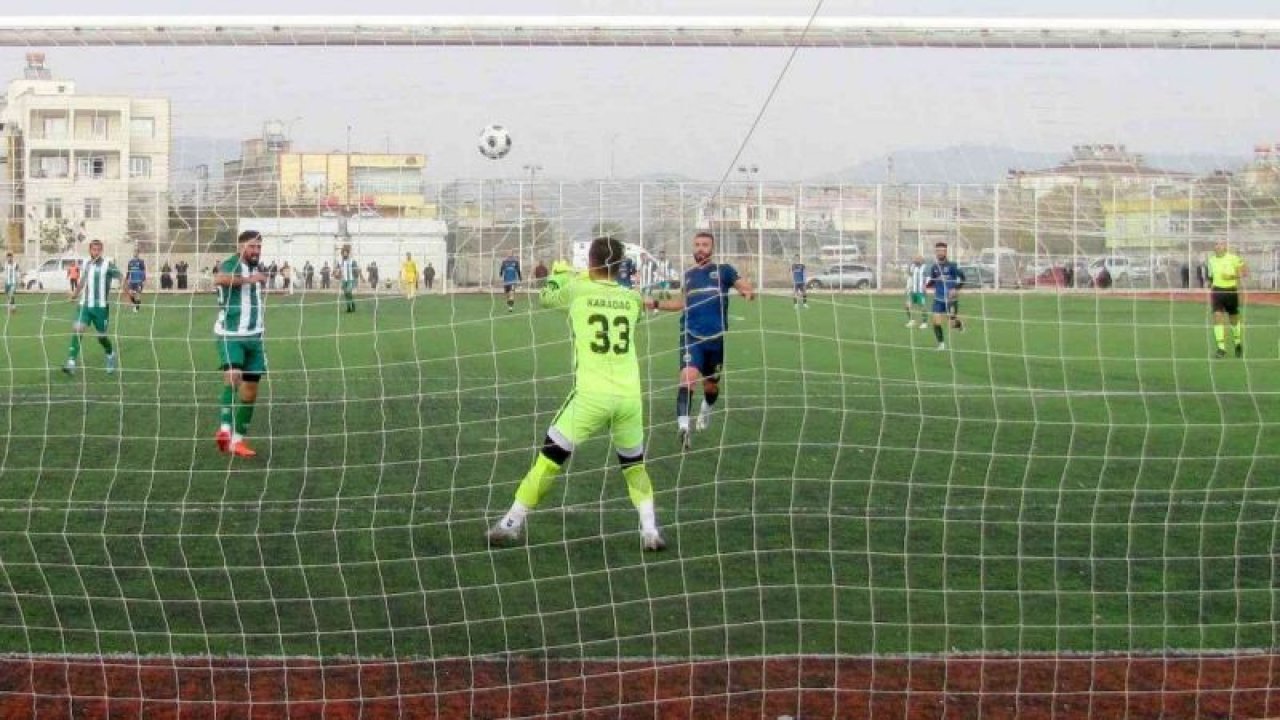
<point>1226,270</point>
<point>409,276</point>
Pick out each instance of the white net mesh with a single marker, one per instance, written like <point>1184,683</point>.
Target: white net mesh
<point>868,525</point>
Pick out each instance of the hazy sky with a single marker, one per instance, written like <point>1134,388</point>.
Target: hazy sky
<point>573,110</point>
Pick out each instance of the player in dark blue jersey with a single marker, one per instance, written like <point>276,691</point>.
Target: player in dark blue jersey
<point>704,319</point>
<point>509,272</point>
<point>946,279</point>
<point>799,293</point>
<point>135,277</point>
<point>627,273</point>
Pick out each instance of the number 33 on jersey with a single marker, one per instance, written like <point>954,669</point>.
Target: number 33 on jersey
<point>603,316</point>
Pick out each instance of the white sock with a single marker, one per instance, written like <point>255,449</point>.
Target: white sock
<point>224,428</point>
<point>236,437</point>
<point>705,409</point>
<point>648,518</point>
<point>514,518</point>
<point>682,422</point>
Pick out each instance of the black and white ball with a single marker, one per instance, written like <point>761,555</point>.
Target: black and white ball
<point>495,142</point>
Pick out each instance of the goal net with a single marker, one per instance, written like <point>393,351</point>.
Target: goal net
<point>1039,482</point>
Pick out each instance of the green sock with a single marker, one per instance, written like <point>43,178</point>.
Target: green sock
<point>537,481</point>
<point>225,402</point>
<point>1237,332</point>
<point>639,486</point>
<point>244,413</point>
<point>75,347</point>
<point>1220,335</point>
<point>105,342</point>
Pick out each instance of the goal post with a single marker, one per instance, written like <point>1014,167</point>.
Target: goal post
<point>991,429</point>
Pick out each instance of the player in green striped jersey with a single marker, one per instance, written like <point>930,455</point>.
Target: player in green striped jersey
<point>347,272</point>
<point>606,390</point>
<point>94,307</point>
<point>241,355</point>
<point>12,277</point>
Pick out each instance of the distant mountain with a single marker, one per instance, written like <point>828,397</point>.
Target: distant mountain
<point>989,163</point>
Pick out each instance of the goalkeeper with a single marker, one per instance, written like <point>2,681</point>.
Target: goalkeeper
<point>606,392</point>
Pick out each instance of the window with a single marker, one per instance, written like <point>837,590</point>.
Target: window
<point>99,127</point>
<point>52,166</point>
<point>93,208</point>
<point>53,208</point>
<point>139,166</point>
<point>771,214</point>
<point>55,128</point>
<point>91,167</point>
<point>142,127</point>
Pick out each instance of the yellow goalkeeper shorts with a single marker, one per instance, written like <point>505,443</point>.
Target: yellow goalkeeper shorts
<point>582,416</point>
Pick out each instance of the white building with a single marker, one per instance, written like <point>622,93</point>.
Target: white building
<point>319,240</point>
<point>83,167</point>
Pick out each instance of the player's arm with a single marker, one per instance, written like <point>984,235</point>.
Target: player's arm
<point>225,277</point>
<point>745,288</point>
<point>675,304</point>
<point>557,292</point>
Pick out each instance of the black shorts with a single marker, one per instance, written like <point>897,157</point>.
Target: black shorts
<point>508,288</point>
<point>706,356</point>
<point>1226,301</point>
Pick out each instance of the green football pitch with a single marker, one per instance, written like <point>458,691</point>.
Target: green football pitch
<point>1074,474</point>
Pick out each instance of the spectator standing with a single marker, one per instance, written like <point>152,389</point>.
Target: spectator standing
<point>308,275</point>
<point>325,272</point>
<point>373,274</point>
<point>272,271</point>
<point>166,277</point>
<point>73,275</point>
<point>286,276</point>
<point>540,273</point>
<point>429,276</point>
<point>180,274</point>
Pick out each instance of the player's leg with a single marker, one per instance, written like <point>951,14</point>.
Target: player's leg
<point>78,326</point>
<point>135,295</point>
<point>628,439</point>
<point>939,317</point>
<point>101,319</point>
<point>577,419</point>
<point>11,292</point>
<point>953,311</point>
<point>712,363</point>
<point>510,291</point>
<point>1219,322</point>
<point>924,310</point>
<point>255,366</point>
<point>231,362</point>
<point>1237,328</point>
<point>908,302</point>
<point>690,361</point>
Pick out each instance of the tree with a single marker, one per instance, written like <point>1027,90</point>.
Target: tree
<point>57,236</point>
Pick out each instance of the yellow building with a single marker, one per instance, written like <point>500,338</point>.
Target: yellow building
<point>383,183</point>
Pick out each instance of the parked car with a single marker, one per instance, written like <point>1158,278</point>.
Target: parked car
<point>50,275</point>
<point>978,276</point>
<point>1122,269</point>
<point>844,277</point>
<point>1055,276</point>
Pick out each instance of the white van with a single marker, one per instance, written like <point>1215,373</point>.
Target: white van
<point>836,254</point>
<point>50,275</point>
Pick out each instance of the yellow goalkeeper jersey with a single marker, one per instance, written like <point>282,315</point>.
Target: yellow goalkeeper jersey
<point>603,317</point>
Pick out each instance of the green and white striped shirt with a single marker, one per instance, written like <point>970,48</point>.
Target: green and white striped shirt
<point>95,282</point>
<point>11,274</point>
<point>348,269</point>
<point>915,277</point>
<point>240,307</point>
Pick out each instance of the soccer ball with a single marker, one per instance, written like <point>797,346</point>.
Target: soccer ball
<point>495,142</point>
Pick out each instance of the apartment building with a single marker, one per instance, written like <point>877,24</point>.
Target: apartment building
<point>81,167</point>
